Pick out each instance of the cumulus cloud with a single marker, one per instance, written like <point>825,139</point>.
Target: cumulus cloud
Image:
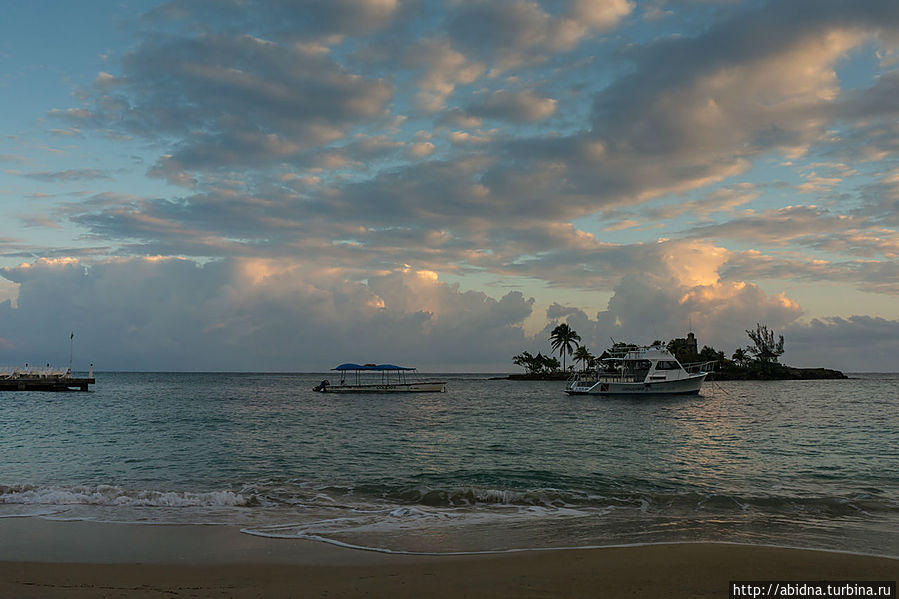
<point>514,32</point>
<point>166,313</point>
<point>522,106</point>
<point>646,308</point>
<point>162,313</point>
<point>444,68</point>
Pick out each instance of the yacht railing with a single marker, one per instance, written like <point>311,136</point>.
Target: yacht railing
<point>697,367</point>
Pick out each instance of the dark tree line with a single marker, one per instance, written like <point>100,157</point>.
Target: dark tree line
<point>760,357</point>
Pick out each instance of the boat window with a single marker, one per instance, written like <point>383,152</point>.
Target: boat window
<point>667,365</point>
<point>637,368</point>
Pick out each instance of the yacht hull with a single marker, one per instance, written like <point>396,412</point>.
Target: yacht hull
<point>685,386</point>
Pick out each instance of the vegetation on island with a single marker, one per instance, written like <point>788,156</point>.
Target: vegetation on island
<point>758,360</point>
<point>564,340</point>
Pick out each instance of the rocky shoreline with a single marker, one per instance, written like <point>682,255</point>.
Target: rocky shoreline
<point>543,376</point>
<point>784,373</point>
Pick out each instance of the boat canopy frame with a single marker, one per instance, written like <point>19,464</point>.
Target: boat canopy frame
<point>384,369</point>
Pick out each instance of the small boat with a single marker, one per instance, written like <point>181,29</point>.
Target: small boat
<point>379,378</point>
<point>639,371</point>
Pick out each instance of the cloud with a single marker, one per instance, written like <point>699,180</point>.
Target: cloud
<point>162,313</point>
<point>852,344</point>
<point>874,276</point>
<point>520,107</point>
<point>238,100</point>
<point>646,308</point>
<point>315,18</point>
<point>444,68</point>
<point>84,174</point>
<point>158,313</point>
<point>808,226</point>
<point>421,149</point>
<point>352,134</point>
<point>696,110</point>
<point>674,122</point>
<point>515,32</point>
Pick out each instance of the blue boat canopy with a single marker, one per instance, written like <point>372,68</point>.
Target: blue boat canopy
<point>351,366</point>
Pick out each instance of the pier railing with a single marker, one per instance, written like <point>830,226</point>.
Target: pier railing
<point>31,372</point>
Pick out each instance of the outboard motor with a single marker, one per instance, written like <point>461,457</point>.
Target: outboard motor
<point>321,386</point>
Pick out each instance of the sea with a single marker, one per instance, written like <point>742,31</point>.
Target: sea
<point>487,466</point>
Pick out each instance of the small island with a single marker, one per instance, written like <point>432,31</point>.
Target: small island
<point>758,361</point>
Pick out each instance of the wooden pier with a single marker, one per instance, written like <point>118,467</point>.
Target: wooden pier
<point>45,383</point>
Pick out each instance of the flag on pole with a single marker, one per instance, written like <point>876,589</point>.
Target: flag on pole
<point>72,336</point>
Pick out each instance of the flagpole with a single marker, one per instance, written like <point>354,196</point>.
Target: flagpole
<point>71,345</point>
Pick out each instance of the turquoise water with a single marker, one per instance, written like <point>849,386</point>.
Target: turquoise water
<point>488,465</point>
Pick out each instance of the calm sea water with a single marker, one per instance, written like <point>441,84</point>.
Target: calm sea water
<point>488,465</point>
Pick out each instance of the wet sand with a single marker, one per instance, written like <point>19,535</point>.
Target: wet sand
<point>40,558</point>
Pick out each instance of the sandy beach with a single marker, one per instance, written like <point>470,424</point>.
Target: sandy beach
<point>41,558</point>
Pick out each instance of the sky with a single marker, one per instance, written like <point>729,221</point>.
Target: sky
<point>275,185</point>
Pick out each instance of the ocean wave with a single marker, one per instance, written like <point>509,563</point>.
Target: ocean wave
<point>298,497</point>
<point>110,495</point>
<point>462,518</point>
<point>467,496</point>
<point>655,501</point>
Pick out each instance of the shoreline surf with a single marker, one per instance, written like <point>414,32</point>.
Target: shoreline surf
<point>86,560</point>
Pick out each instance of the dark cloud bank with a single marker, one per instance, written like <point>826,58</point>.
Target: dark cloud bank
<point>173,314</point>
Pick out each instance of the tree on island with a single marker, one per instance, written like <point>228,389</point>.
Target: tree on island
<point>525,360</point>
<point>564,339</point>
<point>550,364</point>
<point>536,364</point>
<point>740,357</point>
<point>766,350</point>
<point>583,355</point>
<point>710,354</point>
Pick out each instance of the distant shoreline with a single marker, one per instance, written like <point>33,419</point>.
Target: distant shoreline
<point>787,373</point>
<point>551,376</point>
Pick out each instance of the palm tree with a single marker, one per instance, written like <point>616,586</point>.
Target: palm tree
<point>564,340</point>
<point>582,354</point>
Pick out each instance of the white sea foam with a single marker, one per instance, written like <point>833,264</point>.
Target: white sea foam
<point>563,548</point>
<point>387,529</point>
<point>28,511</point>
<point>109,495</point>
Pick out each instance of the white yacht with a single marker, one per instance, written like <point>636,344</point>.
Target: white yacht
<point>639,371</point>
<point>379,378</point>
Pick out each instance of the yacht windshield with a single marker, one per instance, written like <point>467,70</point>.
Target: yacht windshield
<point>667,365</point>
